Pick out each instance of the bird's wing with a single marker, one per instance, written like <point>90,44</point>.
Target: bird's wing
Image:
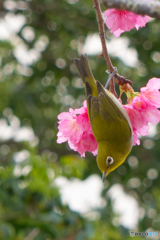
<point>105,114</point>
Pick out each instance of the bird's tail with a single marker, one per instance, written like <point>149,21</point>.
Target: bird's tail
<point>85,72</point>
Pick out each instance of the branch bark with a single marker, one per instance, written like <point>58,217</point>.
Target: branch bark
<point>102,35</point>
<point>150,8</point>
<point>121,80</point>
<point>103,42</point>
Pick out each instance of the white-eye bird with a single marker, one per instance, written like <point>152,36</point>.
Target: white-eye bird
<point>109,121</point>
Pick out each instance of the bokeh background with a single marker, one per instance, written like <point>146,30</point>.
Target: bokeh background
<point>46,190</point>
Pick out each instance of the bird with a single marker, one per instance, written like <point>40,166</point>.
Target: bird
<point>109,121</point>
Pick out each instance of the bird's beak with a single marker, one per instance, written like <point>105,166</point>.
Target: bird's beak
<point>104,175</point>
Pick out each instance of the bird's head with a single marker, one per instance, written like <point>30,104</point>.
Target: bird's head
<point>109,157</point>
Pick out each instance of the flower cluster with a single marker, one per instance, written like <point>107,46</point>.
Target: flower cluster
<point>142,109</point>
<point>74,127</point>
<point>120,21</point>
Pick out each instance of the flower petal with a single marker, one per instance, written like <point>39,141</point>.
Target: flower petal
<point>153,83</point>
<point>121,20</point>
<point>152,97</point>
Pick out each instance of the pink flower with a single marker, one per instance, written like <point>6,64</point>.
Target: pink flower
<point>135,116</point>
<point>74,127</point>
<point>150,93</point>
<point>120,21</point>
<point>151,114</point>
<point>138,121</point>
<point>135,138</point>
<point>141,21</point>
<point>86,142</point>
<point>139,103</point>
<point>143,109</point>
<point>148,111</point>
<point>68,128</point>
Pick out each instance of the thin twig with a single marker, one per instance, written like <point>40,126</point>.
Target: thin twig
<point>121,80</point>
<point>103,42</point>
<point>150,8</point>
<point>102,35</point>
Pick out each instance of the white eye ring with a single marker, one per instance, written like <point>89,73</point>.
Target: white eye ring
<point>109,160</point>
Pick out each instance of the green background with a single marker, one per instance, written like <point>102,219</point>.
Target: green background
<point>30,203</point>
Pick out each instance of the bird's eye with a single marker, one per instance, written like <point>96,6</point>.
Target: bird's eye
<point>109,160</point>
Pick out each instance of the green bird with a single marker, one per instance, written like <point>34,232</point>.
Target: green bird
<point>109,121</point>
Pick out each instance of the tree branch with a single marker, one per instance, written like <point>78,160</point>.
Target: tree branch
<point>150,8</point>
<point>102,35</point>
<point>103,42</point>
<point>121,80</point>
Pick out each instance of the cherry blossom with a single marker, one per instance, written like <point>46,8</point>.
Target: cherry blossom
<point>143,109</point>
<point>74,127</point>
<point>120,21</point>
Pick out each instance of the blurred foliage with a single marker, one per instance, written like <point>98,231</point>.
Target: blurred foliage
<point>33,93</point>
